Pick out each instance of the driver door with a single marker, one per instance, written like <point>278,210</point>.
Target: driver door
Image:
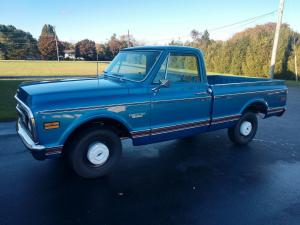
<point>182,108</point>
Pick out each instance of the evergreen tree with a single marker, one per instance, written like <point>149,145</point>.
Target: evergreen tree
<point>17,44</point>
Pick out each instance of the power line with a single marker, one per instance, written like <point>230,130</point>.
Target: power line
<point>243,21</point>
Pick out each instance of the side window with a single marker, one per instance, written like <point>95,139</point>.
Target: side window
<point>162,72</point>
<point>179,68</point>
<point>183,68</point>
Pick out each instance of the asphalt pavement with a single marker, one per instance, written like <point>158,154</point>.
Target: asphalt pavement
<point>199,180</point>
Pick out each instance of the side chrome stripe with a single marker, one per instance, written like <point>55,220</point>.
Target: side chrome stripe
<point>182,99</point>
<point>91,107</point>
<point>180,127</point>
<point>276,110</point>
<point>225,119</point>
<point>269,92</point>
<point>125,104</point>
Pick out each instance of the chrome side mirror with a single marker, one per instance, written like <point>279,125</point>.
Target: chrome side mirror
<point>162,83</point>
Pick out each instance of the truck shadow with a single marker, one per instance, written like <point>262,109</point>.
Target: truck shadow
<point>154,181</point>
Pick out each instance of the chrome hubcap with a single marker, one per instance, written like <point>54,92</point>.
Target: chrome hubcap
<point>97,153</point>
<point>246,128</point>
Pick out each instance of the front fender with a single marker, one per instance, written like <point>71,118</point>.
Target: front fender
<point>87,117</point>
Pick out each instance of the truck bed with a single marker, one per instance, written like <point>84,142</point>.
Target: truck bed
<point>231,94</point>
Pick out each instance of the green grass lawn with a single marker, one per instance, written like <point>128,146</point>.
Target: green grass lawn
<point>49,68</point>
<point>7,102</point>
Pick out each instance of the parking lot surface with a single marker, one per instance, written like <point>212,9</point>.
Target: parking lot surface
<point>199,180</point>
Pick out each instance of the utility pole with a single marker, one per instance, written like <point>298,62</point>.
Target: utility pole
<point>128,39</point>
<point>276,38</point>
<point>295,52</point>
<point>56,44</point>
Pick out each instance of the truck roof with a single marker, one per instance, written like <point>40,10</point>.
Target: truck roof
<point>168,47</point>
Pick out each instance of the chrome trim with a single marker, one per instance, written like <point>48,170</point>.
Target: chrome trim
<point>249,82</point>
<point>155,131</point>
<point>29,143</point>
<point>180,129</point>
<point>277,108</point>
<point>25,107</point>
<point>180,99</point>
<point>115,105</point>
<point>225,119</point>
<point>249,92</point>
<point>91,107</point>
<point>30,115</point>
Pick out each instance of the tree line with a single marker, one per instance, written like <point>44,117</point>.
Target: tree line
<point>249,52</point>
<point>246,53</point>
<point>17,44</point>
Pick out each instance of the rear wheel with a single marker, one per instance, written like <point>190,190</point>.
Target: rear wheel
<point>94,152</point>
<point>244,131</point>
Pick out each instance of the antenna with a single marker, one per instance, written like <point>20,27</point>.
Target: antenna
<point>128,39</point>
<point>97,65</point>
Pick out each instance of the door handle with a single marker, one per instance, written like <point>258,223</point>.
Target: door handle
<point>209,91</point>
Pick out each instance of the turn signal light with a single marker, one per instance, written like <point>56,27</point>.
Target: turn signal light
<point>51,125</point>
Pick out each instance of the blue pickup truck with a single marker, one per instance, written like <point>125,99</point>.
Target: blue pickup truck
<point>147,94</point>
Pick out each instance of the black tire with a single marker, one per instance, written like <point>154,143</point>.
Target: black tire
<point>235,134</point>
<point>77,152</point>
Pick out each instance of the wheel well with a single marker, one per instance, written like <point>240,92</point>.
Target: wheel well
<point>119,128</point>
<point>257,107</point>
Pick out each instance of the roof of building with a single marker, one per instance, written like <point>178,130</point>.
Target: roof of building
<point>69,51</point>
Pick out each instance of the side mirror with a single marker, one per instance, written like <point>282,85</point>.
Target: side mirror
<point>162,83</point>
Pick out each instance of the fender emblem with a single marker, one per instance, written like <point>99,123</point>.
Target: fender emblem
<point>137,115</point>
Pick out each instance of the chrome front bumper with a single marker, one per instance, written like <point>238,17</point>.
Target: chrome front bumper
<point>39,152</point>
<point>26,139</point>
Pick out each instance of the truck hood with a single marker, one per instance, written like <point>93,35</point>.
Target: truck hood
<point>51,94</point>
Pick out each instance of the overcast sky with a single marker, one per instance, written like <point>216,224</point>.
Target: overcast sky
<point>151,21</point>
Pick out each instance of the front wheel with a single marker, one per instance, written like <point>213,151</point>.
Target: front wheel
<point>244,131</point>
<point>94,152</point>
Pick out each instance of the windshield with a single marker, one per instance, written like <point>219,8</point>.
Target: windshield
<point>132,65</point>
